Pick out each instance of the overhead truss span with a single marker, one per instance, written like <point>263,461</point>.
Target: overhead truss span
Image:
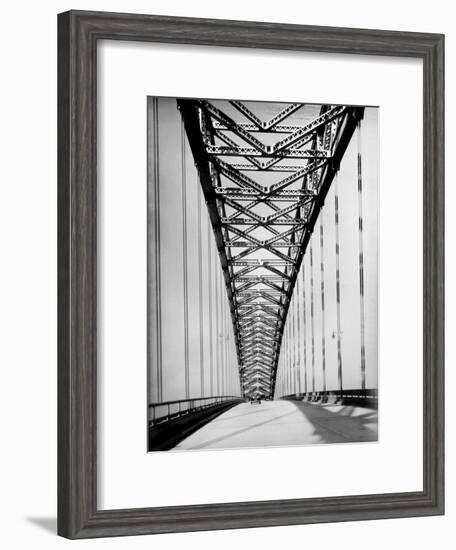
<point>265,170</point>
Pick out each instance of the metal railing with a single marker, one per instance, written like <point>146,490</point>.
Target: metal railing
<point>168,410</point>
<point>368,397</point>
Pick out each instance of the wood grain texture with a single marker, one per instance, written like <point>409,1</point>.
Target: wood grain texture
<point>78,32</point>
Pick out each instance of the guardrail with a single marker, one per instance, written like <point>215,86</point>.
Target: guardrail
<point>168,410</point>
<point>368,397</point>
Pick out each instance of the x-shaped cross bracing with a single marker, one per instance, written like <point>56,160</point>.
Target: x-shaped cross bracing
<point>265,217</point>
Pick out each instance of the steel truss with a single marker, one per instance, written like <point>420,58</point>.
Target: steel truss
<point>262,230</point>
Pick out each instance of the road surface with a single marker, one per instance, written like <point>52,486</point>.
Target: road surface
<point>278,423</point>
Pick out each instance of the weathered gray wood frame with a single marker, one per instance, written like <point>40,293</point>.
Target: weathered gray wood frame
<point>78,33</point>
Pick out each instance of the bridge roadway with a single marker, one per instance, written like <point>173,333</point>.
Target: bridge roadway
<point>278,423</point>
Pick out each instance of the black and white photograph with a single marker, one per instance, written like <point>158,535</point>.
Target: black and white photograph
<point>262,273</point>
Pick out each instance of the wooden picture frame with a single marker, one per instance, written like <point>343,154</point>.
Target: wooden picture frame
<point>78,33</point>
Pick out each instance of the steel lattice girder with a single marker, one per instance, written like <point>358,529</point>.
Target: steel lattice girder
<point>259,289</point>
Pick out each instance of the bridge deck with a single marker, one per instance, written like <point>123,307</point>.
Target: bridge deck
<point>276,423</point>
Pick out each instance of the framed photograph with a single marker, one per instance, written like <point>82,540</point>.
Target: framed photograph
<point>250,274</point>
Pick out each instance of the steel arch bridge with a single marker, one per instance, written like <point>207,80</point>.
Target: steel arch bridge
<point>264,180</point>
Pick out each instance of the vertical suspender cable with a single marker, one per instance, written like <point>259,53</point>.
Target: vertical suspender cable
<point>217,334</point>
<point>361,261</point>
<point>158,316</point>
<point>295,346</point>
<point>200,293</point>
<point>304,326</point>
<point>209,269</point>
<point>185,261</point>
<point>322,273</point>
<point>339,343</point>
<point>298,298</point>
<point>312,324</point>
